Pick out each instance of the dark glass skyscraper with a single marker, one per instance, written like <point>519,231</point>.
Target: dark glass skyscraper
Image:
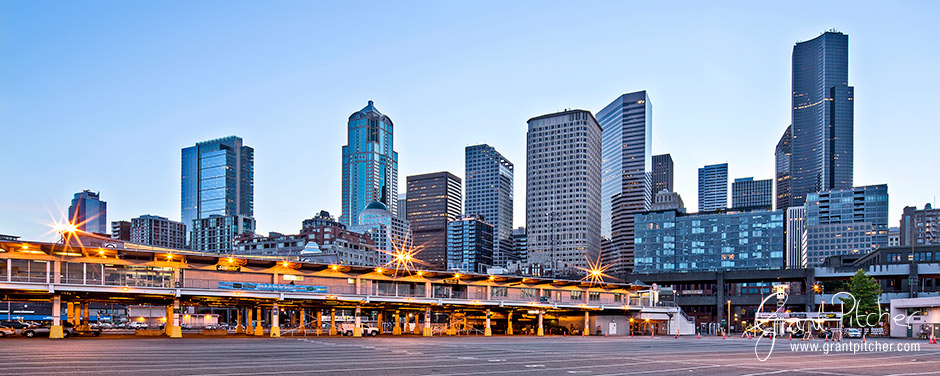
<point>822,116</point>
<point>433,200</point>
<point>713,187</point>
<point>370,164</point>
<point>626,152</point>
<point>218,178</point>
<point>489,178</point>
<point>662,173</point>
<point>88,213</point>
<point>783,157</point>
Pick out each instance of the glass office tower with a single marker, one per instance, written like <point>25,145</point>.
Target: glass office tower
<point>822,116</point>
<point>217,179</point>
<point>488,182</point>
<point>370,164</point>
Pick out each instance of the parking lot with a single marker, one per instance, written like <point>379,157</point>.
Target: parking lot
<point>386,355</point>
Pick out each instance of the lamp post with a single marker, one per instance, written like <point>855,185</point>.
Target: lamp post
<point>728,320</point>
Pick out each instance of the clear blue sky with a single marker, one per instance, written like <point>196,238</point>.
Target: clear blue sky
<point>102,95</point>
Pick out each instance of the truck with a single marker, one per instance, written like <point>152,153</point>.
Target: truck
<point>347,328</point>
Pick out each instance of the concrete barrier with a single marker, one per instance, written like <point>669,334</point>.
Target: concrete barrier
<point>148,332</point>
<point>214,332</point>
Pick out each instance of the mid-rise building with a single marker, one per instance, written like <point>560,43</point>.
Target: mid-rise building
<point>158,232</point>
<point>750,194</point>
<point>276,244</point>
<point>402,206</point>
<point>489,186</point>
<point>626,168</point>
<point>563,195</point>
<point>822,117</point>
<point>662,177</point>
<point>894,236</point>
<point>88,213</point>
<point>370,164</point>
<point>796,237</point>
<point>469,245</point>
<point>218,233</point>
<point>520,244</point>
<point>671,241</point>
<point>846,221</point>
<point>323,229</point>
<point>121,230</point>
<point>782,157</point>
<point>433,200</point>
<point>666,200</point>
<point>217,180</point>
<point>389,234</point>
<point>920,227</point>
<point>713,187</point>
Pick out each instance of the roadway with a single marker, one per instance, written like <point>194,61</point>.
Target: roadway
<point>451,356</point>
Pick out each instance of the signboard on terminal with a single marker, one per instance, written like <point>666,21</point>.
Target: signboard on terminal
<point>228,268</point>
<point>270,287</point>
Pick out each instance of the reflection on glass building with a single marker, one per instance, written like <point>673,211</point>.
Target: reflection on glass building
<point>217,179</point>
<point>469,245</point>
<point>88,213</point>
<point>489,194</point>
<point>672,241</point>
<point>846,221</point>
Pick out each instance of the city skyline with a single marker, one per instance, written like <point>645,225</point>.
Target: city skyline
<point>284,143</point>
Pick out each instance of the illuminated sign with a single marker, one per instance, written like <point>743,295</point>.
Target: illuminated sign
<point>228,268</point>
<point>270,287</point>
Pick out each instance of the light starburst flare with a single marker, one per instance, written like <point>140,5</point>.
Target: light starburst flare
<point>595,272</point>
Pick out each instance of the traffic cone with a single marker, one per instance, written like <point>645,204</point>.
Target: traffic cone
<point>700,336</point>
<point>933,339</point>
<point>722,334</point>
<point>827,338</point>
<point>791,336</point>
<point>863,338</point>
<point>652,334</point>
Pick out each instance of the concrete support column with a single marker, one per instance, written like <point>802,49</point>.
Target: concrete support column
<point>333,322</point>
<point>451,330</point>
<point>396,326</point>
<point>248,326</point>
<point>417,329</point>
<point>77,315</point>
<point>56,330</point>
<point>175,331</point>
<point>303,322</point>
<point>275,321</point>
<point>85,319</point>
<point>239,328</point>
<point>357,330</point>
<point>509,323</point>
<point>541,330</point>
<point>407,317</point>
<point>587,324</point>
<point>318,321</point>
<point>381,323</point>
<point>721,301</point>
<point>70,313</point>
<point>427,321</point>
<point>487,331</point>
<point>259,330</point>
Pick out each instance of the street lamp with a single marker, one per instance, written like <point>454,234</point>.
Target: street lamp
<point>729,317</point>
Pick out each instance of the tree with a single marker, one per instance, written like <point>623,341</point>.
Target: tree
<point>866,291</point>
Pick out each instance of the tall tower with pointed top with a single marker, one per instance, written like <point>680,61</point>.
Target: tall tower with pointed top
<point>370,164</point>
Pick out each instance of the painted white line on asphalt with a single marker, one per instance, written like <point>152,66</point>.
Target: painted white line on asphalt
<point>534,365</point>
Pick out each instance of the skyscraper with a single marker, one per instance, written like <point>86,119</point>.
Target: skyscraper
<point>88,213</point>
<point>433,200</point>
<point>625,178</point>
<point>469,245</point>
<point>782,157</point>
<point>370,164</point>
<point>489,181</point>
<point>846,221</point>
<point>713,187</point>
<point>750,194</point>
<point>662,173</point>
<point>563,195</point>
<point>796,237</point>
<point>218,178</point>
<point>822,116</point>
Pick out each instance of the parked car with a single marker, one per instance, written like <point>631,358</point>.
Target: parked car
<point>853,333</point>
<point>346,329</point>
<point>14,324</point>
<point>6,331</point>
<point>136,325</point>
<point>68,330</point>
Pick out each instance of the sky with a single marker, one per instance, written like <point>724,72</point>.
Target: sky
<point>102,95</point>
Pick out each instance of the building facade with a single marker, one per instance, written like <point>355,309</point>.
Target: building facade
<point>782,158</point>
<point>563,195</point>
<point>666,200</point>
<point>919,227</point>
<point>671,241</point>
<point>218,233</point>
<point>713,187</point>
<point>796,237</point>
<point>520,244</point>
<point>489,187</point>
<point>121,230</point>
<point>217,180</point>
<point>402,206</point>
<point>323,229</point>
<point>822,116</point>
<point>626,169</point>
<point>469,245</point>
<point>88,213</point>
<point>158,232</point>
<point>389,234</point>
<point>750,194</point>
<point>433,200</point>
<point>370,164</point>
<point>846,221</point>
<point>662,177</point>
